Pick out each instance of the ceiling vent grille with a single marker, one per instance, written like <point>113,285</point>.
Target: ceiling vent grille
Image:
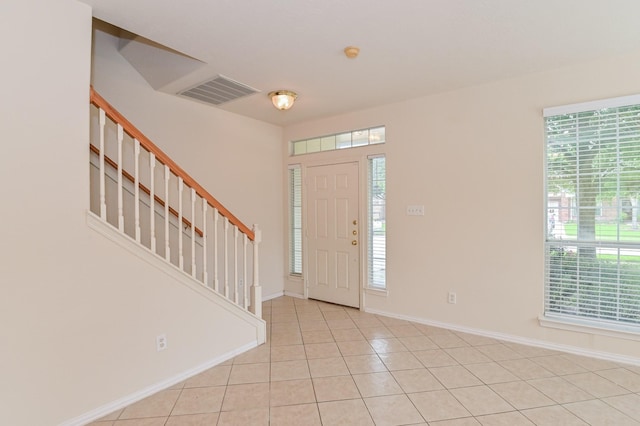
<point>218,91</point>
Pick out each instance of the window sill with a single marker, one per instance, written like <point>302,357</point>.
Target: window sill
<point>377,291</point>
<point>591,327</point>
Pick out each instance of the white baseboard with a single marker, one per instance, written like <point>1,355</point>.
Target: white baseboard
<point>272,296</point>
<point>292,294</point>
<point>514,339</point>
<point>125,401</point>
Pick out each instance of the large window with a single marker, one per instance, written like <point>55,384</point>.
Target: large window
<point>295,220</point>
<point>353,139</point>
<point>592,233</point>
<point>377,223</point>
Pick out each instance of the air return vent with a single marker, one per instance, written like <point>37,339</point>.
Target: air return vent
<point>218,91</point>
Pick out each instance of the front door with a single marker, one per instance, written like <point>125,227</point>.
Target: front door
<point>333,235</point>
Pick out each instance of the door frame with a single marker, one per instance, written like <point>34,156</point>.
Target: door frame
<point>352,155</point>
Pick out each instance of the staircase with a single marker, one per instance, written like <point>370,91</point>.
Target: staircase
<point>143,194</point>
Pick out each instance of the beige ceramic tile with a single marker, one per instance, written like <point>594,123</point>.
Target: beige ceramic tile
<point>325,367</point>
<point>216,376</point>
<point>521,395</point>
<point>491,373</point>
<point>243,397</point>
<point>530,351</point>
<point>387,345</point>
<point>249,373</point>
<point>317,336</point>
<point>400,361</point>
<point>499,352</point>
<point>466,421</point>
<point>292,392</point>
<point>591,364</point>
<point>310,315</point>
<point>526,369</point>
<point>513,418</point>
<point>438,405</point>
<point>447,341</point>
<point>283,317</point>
<point>289,370</point>
<point>287,353</point>
<point>111,416</point>
<point>341,324</point>
<point>335,315</point>
<point>258,417</point>
<point>313,325</point>
<point>596,412</point>
<point>295,415</point>
<point>348,412</point>
<point>554,415</point>
<point>381,332</point>
<point>206,419</point>
<point>596,385</point>
<point>322,350</point>
<point>151,421</point>
<point>359,364</point>
<point>558,365</point>
<point>253,356</point>
<point>335,388</point>
<point>157,405</point>
<point>286,339</point>
<point>418,343</point>
<point>560,390</point>
<point>623,377</point>
<point>355,348</point>
<point>284,327</point>
<point>435,358</point>
<point>377,384</point>
<point>467,355</point>
<point>420,380</point>
<point>392,410</point>
<point>199,400</point>
<point>404,330</point>
<point>455,376</point>
<point>476,340</point>
<point>367,322</point>
<point>481,400</point>
<point>347,335</point>
<point>628,404</point>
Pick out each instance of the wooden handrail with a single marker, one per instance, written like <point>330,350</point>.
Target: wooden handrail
<point>144,189</point>
<point>163,158</point>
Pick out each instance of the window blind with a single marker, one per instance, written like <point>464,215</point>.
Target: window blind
<point>295,220</point>
<point>592,243</point>
<point>377,222</point>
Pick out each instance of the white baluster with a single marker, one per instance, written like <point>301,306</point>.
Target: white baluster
<point>216,219</point>
<point>120,201</point>
<point>205,278</point>
<point>152,200</point>
<point>180,245</point>
<point>235,265</point>
<point>256,290</point>
<point>136,192</point>
<point>193,232</point>
<point>226,257</point>
<point>245,301</point>
<point>167,249</point>
<point>103,195</point>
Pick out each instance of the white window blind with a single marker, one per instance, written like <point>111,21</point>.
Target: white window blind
<point>295,220</point>
<point>377,222</point>
<point>592,230</point>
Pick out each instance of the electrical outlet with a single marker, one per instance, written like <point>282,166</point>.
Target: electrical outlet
<point>161,342</point>
<point>453,298</point>
<point>415,210</point>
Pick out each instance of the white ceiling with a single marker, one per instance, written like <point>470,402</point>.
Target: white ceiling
<point>409,48</point>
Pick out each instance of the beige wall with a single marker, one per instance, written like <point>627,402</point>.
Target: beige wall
<point>474,158</point>
<point>78,314</point>
<point>238,160</point>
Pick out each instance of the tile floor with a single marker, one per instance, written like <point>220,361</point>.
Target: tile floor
<point>328,365</point>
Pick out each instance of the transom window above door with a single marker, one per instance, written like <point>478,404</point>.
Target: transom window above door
<point>346,140</point>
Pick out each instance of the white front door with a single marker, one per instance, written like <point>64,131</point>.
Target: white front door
<point>333,235</point>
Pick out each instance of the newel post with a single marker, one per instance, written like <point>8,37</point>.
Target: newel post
<point>256,290</point>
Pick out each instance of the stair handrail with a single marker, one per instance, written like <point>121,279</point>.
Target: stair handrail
<point>163,158</point>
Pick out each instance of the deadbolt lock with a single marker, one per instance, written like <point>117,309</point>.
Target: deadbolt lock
<point>355,222</point>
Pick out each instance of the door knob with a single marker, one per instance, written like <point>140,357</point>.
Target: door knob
<point>355,222</point>
<point>354,243</point>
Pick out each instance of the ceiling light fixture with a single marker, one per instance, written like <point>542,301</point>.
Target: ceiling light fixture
<point>351,52</point>
<point>283,99</point>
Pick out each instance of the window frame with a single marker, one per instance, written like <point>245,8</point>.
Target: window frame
<point>580,321</point>
<point>296,253</point>
<point>369,277</point>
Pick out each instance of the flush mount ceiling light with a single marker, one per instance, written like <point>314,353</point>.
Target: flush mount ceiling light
<point>283,99</point>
